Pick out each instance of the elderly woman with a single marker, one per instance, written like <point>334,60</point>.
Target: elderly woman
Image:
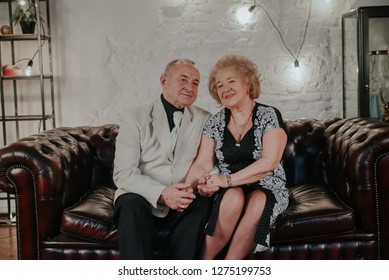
<point>244,141</point>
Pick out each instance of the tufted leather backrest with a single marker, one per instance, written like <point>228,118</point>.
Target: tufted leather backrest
<point>303,156</point>
<point>68,151</point>
<point>103,142</point>
<point>357,153</point>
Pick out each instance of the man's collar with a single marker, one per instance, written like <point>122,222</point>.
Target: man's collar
<point>169,107</point>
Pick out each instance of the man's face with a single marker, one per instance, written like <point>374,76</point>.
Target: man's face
<point>180,84</point>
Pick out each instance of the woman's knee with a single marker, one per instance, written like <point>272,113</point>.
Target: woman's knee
<point>233,201</point>
<point>255,204</point>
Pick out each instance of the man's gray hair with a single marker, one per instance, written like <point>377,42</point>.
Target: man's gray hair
<point>177,61</point>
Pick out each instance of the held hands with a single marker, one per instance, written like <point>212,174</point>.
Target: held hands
<point>178,196</point>
<point>210,183</point>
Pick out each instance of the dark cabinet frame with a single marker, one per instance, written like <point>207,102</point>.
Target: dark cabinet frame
<point>362,16</point>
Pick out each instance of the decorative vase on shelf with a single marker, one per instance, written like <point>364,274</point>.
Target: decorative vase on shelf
<point>28,27</point>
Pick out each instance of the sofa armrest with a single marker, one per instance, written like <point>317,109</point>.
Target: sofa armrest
<point>48,172</point>
<point>358,165</point>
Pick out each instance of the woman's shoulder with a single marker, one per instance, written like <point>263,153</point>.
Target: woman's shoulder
<point>216,117</point>
<point>267,113</point>
<point>264,108</point>
<point>215,123</point>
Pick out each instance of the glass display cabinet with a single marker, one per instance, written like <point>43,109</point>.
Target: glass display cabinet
<point>365,41</point>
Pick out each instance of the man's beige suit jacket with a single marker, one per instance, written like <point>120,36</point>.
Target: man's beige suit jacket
<point>144,162</point>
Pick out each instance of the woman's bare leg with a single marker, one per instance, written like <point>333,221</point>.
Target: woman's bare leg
<point>230,211</point>
<point>242,242</point>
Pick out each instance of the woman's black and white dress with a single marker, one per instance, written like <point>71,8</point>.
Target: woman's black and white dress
<point>232,157</point>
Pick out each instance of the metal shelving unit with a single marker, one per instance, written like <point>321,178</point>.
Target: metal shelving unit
<point>42,82</point>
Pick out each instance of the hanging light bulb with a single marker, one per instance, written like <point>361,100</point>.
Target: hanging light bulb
<point>243,16</point>
<point>22,2</point>
<point>28,70</point>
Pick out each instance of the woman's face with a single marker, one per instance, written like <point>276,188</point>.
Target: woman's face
<point>231,88</point>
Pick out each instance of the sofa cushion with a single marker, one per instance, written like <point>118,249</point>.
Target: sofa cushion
<point>314,212</point>
<point>91,218</point>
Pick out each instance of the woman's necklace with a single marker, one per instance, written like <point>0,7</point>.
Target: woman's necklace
<point>240,128</point>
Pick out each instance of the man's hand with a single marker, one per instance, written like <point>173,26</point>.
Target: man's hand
<point>178,196</point>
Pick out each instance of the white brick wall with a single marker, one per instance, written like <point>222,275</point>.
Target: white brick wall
<point>206,30</point>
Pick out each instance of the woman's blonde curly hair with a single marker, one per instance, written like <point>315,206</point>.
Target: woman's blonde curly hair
<point>246,69</point>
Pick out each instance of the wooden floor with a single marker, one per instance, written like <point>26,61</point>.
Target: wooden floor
<point>8,243</point>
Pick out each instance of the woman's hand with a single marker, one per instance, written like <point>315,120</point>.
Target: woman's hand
<point>204,188</point>
<point>217,180</point>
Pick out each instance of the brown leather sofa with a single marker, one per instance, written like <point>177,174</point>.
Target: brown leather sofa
<point>338,177</point>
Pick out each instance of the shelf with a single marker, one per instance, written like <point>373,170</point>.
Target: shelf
<point>23,37</point>
<point>28,118</point>
<point>41,82</point>
<point>32,77</point>
<point>379,52</point>
<point>12,1</point>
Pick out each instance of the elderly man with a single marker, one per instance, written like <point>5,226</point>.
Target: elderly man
<point>155,147</point>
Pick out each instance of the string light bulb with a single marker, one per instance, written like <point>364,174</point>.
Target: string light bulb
<point>28,70</point>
